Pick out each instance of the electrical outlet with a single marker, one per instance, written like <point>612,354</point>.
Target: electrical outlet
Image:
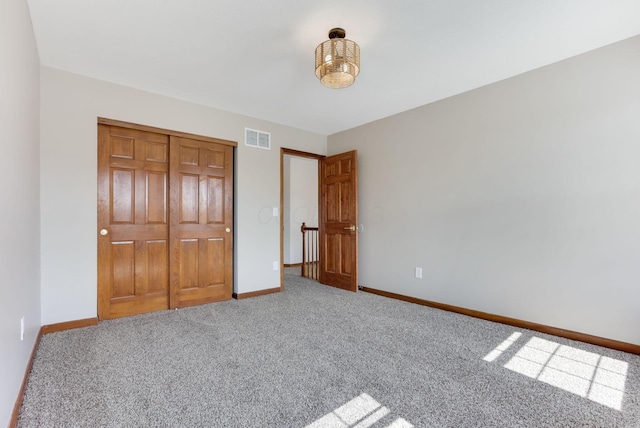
<point>276,265</point>
<point>22,328</point>
<point>419,272</point>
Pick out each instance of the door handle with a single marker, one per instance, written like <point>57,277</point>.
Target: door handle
<point>352,228</point>
<point>104,232</point>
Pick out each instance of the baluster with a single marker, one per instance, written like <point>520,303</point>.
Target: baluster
<point>303,230</point>
<point>315,255</point>
<point>311,255</point>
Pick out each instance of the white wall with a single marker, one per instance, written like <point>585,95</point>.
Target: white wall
<point>301,203</point>
<point>70,107</point>
<point>521,198</point>
<point>19,198</point>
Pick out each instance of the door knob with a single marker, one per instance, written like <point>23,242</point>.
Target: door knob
<point>104,232</point>
<point>351,228</point>
<point>228,229</point>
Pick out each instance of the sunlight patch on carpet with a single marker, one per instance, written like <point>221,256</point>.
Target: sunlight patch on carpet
<point>587,374</point>
<point>361,412</point>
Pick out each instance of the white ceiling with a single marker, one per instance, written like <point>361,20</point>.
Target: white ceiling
<point>256,57</point>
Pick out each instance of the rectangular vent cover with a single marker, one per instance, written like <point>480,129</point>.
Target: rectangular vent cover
<point>259,139</point>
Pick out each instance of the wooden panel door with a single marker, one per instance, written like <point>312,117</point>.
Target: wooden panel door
<point>201,213</point>
<point>339,221</point>
<point>133,246</point>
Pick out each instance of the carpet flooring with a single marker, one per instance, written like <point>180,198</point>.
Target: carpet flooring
<point>315,356</point>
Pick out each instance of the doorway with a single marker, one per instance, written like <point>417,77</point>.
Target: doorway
<point>337,212</point>
<point>299,172</point>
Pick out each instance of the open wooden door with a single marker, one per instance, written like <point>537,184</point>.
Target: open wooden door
<point>339,221</point>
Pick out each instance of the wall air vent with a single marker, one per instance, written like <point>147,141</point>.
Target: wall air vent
<point>259,139</point>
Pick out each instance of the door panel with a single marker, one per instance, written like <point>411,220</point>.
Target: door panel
<point>189,258</point>
<point>122,201</point>
<point>156,266</point>
<point>215,207</point>
<point>189,195</point>
<point>201,237</point>
<point>132,210</point>
<point>156,200</point>
<point>123,265</point>
<point>346,260</point>
<point>339,220</point>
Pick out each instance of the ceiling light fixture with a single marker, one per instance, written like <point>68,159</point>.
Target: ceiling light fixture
<point>337,60</point>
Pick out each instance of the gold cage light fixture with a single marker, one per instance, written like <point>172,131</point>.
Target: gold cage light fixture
<point>337,60</point>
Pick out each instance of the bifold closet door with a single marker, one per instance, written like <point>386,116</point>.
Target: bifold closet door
<point>165,219</point>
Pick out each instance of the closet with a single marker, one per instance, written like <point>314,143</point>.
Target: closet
<point>165,219</point>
